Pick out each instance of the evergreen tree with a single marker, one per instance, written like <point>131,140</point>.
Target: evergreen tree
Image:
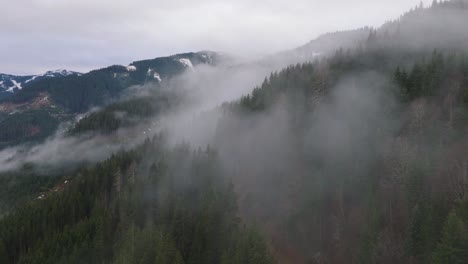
<point>453,247</point>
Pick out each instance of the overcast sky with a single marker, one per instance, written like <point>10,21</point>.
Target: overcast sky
<point>40,35</point>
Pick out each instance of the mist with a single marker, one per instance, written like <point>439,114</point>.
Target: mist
<point>197,94</point>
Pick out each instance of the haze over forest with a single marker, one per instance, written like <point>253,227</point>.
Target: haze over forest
<point>269,132</point>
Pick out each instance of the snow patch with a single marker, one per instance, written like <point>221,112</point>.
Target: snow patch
<point>208,58</point>
<point>154,74</point>
<point>157,77</point>
<point>131,68</point>
<point>186,63</point>
<point>15,85</point>
<point>32,79</point>
<point>51,74</point>
<point>62,72</point>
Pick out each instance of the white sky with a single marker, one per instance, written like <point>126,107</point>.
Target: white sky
<point>40,35</point>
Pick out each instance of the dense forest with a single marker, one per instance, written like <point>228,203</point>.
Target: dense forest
<point>356,157</point>
<point>149,205</point>
<point>27,126</point>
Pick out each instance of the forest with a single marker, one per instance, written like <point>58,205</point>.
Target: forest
<point>132,209</point>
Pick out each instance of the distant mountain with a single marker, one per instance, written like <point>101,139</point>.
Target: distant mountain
<point>77,93</point>
<point>33,108</point>
<point>10,84</point>
<point>441,26</point>
<point>330,42</point>
<point>321,46</point>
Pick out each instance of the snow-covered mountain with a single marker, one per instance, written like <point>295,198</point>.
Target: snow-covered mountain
<point>13,83</point>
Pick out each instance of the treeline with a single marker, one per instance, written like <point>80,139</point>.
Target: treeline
<point>149,205</point>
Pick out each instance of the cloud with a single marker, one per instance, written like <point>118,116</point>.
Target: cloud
<point>39,35</point>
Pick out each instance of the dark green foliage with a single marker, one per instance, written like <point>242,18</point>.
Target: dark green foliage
<point>248,247</point>
<point>423,79</point>
<point>76,93</point>
<point>464,74</point>
<point>368,252</point>
<point>3,253</point>
<point>119,115</point>
<point>31,125</point>
<point>453,244</point>
<point>21,185</point>
<point>422,231</point>
<point>294,79</point>
<point>170,208</point>
<point>453,247</point>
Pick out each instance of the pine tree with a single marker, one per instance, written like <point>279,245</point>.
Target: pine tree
<point>452,248</point>
<point>3,253</point>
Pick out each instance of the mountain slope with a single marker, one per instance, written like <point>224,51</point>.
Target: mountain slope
<point>34,112</point>
<point>79,93</point>
<point>9,84</point>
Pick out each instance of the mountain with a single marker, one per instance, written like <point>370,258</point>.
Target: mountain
<point>34,112</point>
<point>10,84</point>
<point>79,92</point>
<point>323,46</point>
